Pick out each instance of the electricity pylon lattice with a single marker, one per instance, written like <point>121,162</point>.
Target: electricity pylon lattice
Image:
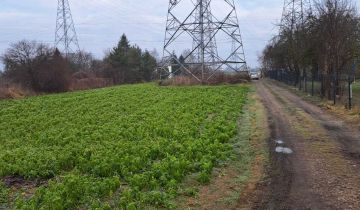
<point>65,34</point>
<point>207,36</point>
<point>209,40</point>
<point>294,14</point>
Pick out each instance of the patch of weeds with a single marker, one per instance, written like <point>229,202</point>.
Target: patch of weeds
<point>4,192</point>
<point>204,177</point>
<point>190,192</point>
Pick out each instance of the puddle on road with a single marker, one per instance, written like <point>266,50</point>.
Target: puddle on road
<point>280,142</point>
<point>283,150</point>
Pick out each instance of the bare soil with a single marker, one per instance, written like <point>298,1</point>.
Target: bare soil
<point>19,182</point>
<point>323,172</point>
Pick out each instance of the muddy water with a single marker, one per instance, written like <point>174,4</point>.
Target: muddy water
<point>283,150</point>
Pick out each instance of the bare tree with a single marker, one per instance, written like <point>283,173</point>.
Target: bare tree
<point>81,61</point>
<point>20,61</point>
<point>327,42</point>
<point>337,31</point>
<point>36,66</point>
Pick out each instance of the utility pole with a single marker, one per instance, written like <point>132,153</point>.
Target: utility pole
<point>65,34</point>
<point>198,32</point>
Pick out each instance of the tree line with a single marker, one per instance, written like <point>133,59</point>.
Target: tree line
<point>41,68</point>
<point>326,42</point>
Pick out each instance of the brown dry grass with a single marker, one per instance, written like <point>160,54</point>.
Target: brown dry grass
<point>352,117</point>
<point>89,83</point>
<point>222,78</point>
<point>13,91</point>
<point>179,81</point>
<point>16,91</point>
<point>217,79</point>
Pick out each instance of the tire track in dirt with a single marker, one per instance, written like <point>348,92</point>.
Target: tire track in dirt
<point>320,178</point>
<point>345,134</point>
<point>285,175</point>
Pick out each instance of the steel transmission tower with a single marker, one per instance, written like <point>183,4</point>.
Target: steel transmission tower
<point>65,35</point>
<point>212,38</point>
<point>294,14</point>
<point>207,36</point>
<point>294,17</point>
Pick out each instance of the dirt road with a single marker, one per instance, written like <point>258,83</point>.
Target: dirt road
<point>315,157</point>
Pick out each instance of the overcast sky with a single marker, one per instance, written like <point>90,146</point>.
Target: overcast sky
<point>100,23</point>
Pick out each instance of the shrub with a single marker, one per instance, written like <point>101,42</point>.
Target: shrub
<point>37,67</point>
<point>217,79</point>
<point>88,80</point>
<point>52,74</point>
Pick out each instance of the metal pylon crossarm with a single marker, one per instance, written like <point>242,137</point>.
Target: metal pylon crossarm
<point>209,41</point>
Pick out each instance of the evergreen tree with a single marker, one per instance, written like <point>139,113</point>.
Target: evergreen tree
<point>134,65</point>
<point>128,64</point>
<point>148,65</point>
<point>182,62</point>
<point>119,55</point>
<point>174,63</point>
<point>118,60</point>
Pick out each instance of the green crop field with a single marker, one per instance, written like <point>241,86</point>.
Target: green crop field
<point>124,147</point>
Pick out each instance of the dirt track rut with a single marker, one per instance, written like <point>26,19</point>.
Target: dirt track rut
<point>323,172</point>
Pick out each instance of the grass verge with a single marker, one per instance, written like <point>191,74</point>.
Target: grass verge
<point>234,184</point>
<point>352,117</point>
